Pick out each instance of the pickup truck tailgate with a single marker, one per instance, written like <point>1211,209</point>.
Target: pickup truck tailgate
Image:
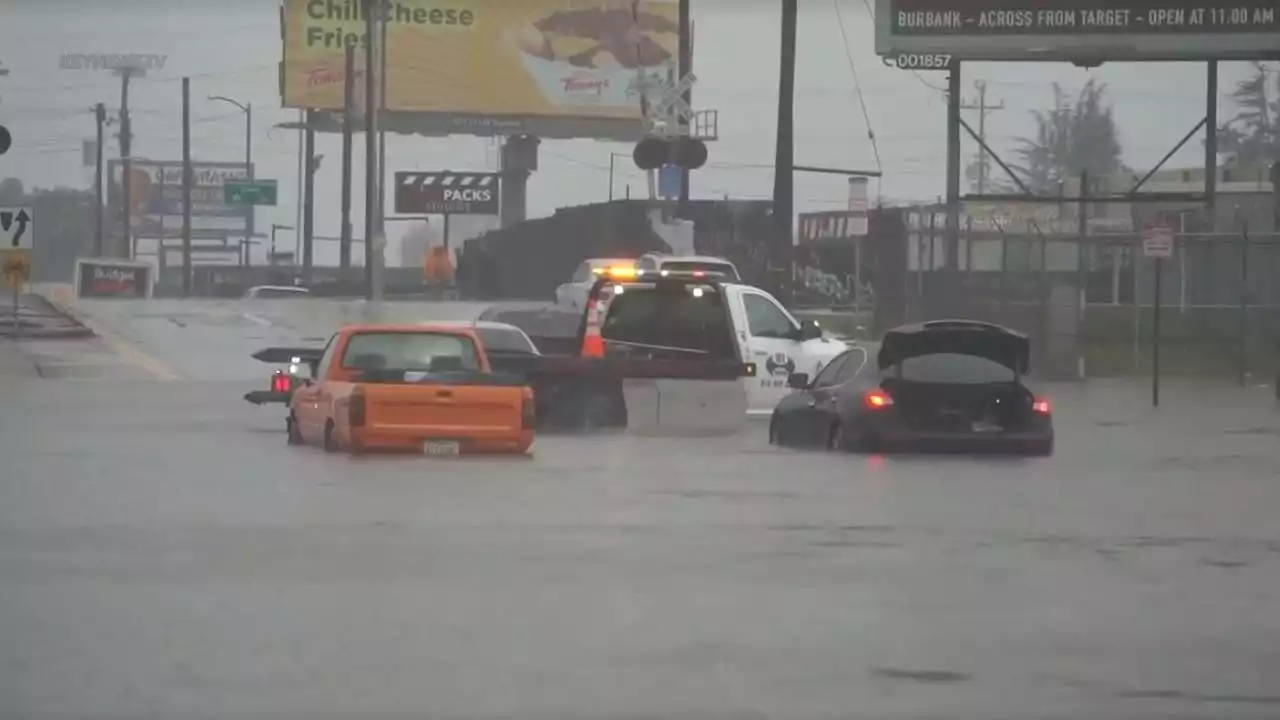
<point>443,409</point>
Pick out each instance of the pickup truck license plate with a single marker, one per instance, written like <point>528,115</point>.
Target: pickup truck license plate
<point>440,448</point>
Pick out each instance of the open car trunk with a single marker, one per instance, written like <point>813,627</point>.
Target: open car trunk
<point>958,376</point>
<point>960,408</point>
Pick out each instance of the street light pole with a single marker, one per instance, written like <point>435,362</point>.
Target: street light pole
<point>247,109</point>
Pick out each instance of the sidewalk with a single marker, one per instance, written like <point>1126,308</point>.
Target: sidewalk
<point>36,317</point>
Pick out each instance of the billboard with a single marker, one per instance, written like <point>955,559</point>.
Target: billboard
<point>1086,30</point>
<point>111,278</point>
<point>487,62</point>
<point>156,195</point>
<point>452,193</point>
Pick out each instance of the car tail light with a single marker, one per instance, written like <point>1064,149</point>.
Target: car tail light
<point>1041,406</point>
<point>357,409</point>
<point>281,383</point>
<point>877,400</point>
<point>528,413</point>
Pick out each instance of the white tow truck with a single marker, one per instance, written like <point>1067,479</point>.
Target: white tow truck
<point>693,317</point>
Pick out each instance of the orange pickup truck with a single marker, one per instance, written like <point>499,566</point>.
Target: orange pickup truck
<point>422,388</point>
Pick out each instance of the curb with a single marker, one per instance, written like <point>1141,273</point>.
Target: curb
<point>78,331</point>
<point>58,300</point>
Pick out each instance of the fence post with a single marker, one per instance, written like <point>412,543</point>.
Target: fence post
<point>1138,264</point>
<point>1244,303</point>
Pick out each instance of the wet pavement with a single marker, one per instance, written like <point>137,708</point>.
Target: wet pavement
<point>164,554</point>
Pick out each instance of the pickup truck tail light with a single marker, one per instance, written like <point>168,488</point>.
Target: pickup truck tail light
<point>357,409</point>
<point>281,383</point>
<point>528,413</point>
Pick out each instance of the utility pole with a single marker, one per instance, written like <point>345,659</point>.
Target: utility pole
<point>348,120</point>
<point>780,256</point>
<point>370,148</point>
<point>126,157</point>
<point>983,109</point>
<point>187,182</point>
<point>100,116</point>
<point>685,63</point>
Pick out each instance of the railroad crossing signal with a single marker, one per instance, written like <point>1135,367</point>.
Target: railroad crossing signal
<point>687,153</point>
<point>670,101</point>
<point>669,144</point>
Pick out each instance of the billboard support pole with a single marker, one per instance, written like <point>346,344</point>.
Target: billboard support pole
<point>952,270</point>
<point>186,188</point>
<point>308,199</point>
<point>685,63</point>
<point>370,150</point>
<point>348,100</point>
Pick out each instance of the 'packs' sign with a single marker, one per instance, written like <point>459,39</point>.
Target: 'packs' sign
<point>453,193</point>
<point>112,279</point>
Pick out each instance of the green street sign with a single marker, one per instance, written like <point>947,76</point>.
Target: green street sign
<point>249,192</point>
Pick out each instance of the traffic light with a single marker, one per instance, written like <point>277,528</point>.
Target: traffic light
<point>5,139</point>
<point>652,153</point>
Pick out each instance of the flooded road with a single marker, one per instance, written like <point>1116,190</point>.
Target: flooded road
<point>163,553</point>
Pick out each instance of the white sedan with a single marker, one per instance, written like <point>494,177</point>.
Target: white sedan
<point>573,294</point>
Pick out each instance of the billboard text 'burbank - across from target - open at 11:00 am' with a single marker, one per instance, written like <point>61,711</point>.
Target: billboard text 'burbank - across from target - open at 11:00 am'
<point>1081,30</point>
<point>549,59</point>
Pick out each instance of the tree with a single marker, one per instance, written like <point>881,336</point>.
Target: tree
<point>12,192</point>
<point>1252,137</point>
<point>1071,137</point>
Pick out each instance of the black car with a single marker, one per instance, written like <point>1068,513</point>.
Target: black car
<point>941,385</point>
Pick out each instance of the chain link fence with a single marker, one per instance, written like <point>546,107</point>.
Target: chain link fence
<point>1089,300</point>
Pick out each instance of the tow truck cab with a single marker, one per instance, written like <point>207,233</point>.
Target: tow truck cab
<point>696,316</point>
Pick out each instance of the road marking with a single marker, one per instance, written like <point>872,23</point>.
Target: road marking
<point>136,356</point>
<point>255,319</point>
<point>122,347</point>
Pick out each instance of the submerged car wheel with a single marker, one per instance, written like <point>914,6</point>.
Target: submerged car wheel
<point>330,442</point>
<point>293,433</point>
<point>841,439</point>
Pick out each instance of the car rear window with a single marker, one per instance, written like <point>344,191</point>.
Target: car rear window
<point>677,315</point>
<point>503,340</point>
<point>418,351</point>
<point>952,368</point>
<point>725,269</point>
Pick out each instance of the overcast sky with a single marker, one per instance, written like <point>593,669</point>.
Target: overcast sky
<point>231,47</point>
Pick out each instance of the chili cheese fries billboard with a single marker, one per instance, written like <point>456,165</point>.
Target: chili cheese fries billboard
<point>547,58</point>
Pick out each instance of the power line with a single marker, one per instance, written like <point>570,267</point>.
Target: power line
<point>983,109</point>
<point>857,84</point>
